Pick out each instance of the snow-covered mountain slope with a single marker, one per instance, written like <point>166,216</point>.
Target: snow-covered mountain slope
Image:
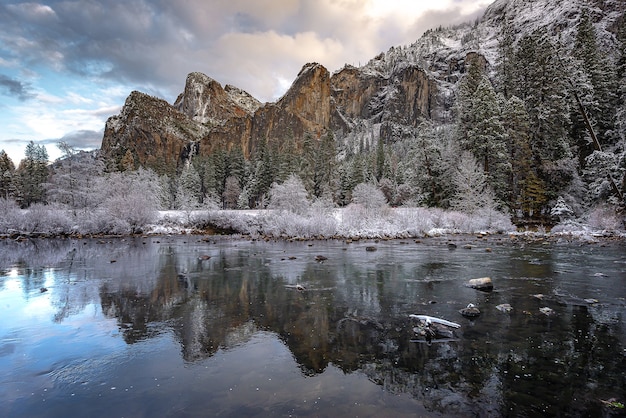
<point>439,49</point>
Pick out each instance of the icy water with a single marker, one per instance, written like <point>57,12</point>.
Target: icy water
<point>210,326</point>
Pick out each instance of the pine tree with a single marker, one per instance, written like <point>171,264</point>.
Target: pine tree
<point>540,81</point>
<point>621,102</point>
<point>465,103</point>
<point>231,192</point>
<point>424,165</point>
<point>32,174</point>
<point>206,171</point>
<point>517,129</point>
<point>486,138</point>
<point>533,196</point>
<point>380,158</point>
<point>188,192</point>
<point>263,175</point>
<point>7,174</point>
<point>598,95</point>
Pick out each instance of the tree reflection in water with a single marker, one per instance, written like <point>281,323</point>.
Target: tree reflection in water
<point>353,314</point>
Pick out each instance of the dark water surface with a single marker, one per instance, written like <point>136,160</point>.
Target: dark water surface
<point>154,327</point>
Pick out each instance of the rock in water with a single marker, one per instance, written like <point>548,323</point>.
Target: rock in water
<point>484,284</point>
<point>505,307</point>
<point>547,311</point>
<point>471,311</point>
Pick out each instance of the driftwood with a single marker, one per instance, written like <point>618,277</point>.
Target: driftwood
<point>434,320</point>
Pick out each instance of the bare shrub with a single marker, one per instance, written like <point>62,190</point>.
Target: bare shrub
<point>604,218</point>
<point>11,214</point>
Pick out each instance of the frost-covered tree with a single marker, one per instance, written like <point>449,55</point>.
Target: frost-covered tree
<point>231,194</point>
<point>472,190</point>
<point>206,172</point>
<point>542,84</point>
<point>243,200</point>
<point>11,215</point>
<point>130,199</point>
<point>318,165</point>
<point>466,117</point>
<point>291,195</point>
<point>370,197</point>
<point>7,174</point>
<point>561,210</point>
<point>73,178</point>
<point>263,173</point>
<point>600,168</point>
<point>620,123</point>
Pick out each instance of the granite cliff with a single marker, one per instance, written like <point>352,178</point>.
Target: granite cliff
<point>385,99</point>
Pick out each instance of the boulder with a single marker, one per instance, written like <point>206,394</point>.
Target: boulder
<point>483,284</point>
<point>470,311</point>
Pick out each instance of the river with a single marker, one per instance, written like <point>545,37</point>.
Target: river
<point>216,326</point>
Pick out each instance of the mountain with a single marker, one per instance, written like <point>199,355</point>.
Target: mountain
<point>387,100</point>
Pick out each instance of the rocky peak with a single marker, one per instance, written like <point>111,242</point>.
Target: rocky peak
<point>148,131</point>
<point>206,102</point>
<point>243,99</point>
<point>309,95</point>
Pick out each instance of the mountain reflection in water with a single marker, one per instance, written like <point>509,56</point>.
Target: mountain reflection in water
<point>190,326</point>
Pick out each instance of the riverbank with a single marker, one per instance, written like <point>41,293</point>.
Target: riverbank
<point>351,223</point>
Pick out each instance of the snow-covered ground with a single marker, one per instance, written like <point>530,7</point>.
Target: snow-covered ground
<point>354,222</point>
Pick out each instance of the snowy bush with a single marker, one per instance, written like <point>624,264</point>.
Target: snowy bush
<point>604,218</point>
<point>317,221</point>
<point>11,213</point>
<point>370,198</point>
<point>243,222</point>
<point>48,219</point>
<point>569,226</point>
<point>413,221</point>
<point>490,220</point>
<point>131,200</point>
<point>290,196</point>
<point>322,218</point>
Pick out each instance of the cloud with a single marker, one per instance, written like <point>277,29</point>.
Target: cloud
<point>16,88</point>
<point>152,46</point>
<point>82,139</point>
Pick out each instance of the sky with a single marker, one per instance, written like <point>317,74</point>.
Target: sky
<point>68,65</point>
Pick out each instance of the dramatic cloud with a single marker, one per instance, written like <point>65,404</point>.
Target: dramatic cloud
<point>53,47</point>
